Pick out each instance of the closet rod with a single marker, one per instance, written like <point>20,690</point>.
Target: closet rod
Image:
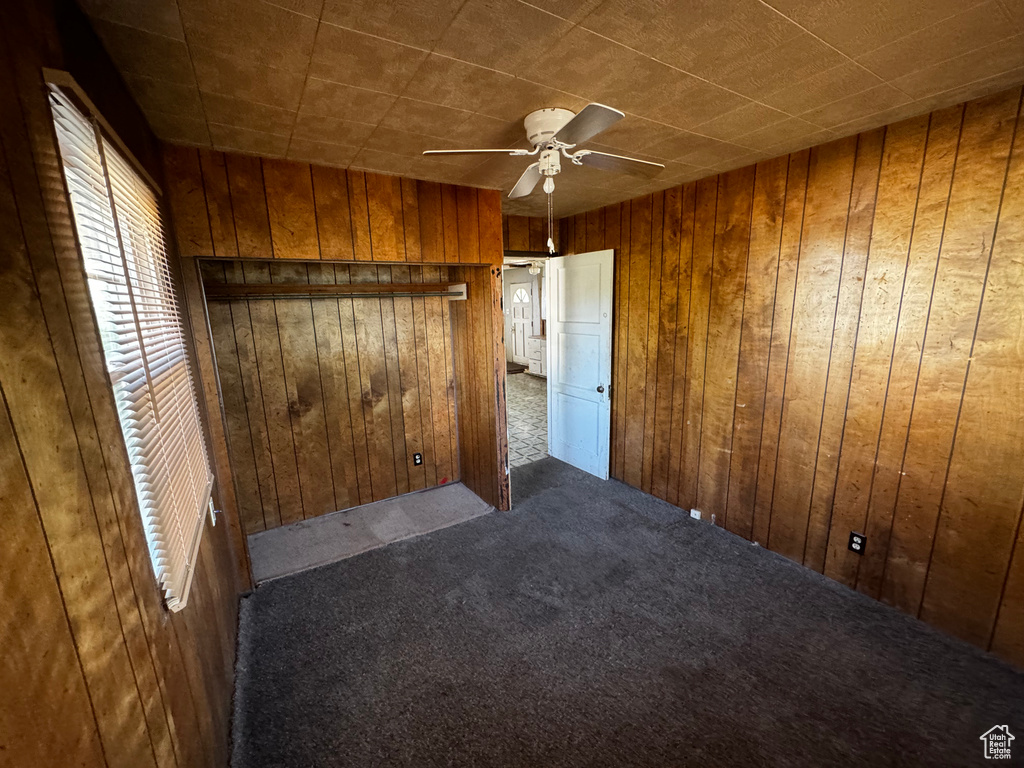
<point>276,296</point>
<point>224,292</point>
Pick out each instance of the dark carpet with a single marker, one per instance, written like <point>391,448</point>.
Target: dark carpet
<point>597,626</point>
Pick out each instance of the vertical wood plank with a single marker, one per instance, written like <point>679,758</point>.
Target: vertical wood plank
<point>829,183</point>
<point>1007,639</point>
<point>274,390</point>
<point>568,234</point>
<point>387,236</point>
<point>778,354</point>
<point>373,373</point>
<point>449,329</point>
<point>518,233</point>
<point>431,222</point>
<point>636,362</point>
<point>188,201</point>
<point>668,317</point>
<point>538,234</point>
<point>362,435</point>
<point>242,340</point>
<point>682,341</point>
<point>411,219</point>
<point>301,364</point>
<point>498,419</point>
<point>436,355</point>
<point>844,340</point>
<point>489,223</point>
<point>767,209</point>
<point>239,431</point>
<point>464,381</point>
<point>595,229</point>
<point>653,323</point>
<point>330,351</point>
<point>468,225</point>
<point>395,382</point>
<point>360,215</point>
<point>617,223</point>
<point>291,209</point>
<point>186,278</point>
<point>249,205</point>
<point>728,282</point>
<point>696,355</point>
<point>421,379</point>
<point>218,203</point>
<point>450,221</point>
<point>333,213</point>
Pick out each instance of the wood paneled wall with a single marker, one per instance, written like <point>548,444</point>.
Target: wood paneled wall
<point>526,233</point>
<point>326,400</point>
<point>833,341</point>
<point>478,333</point>
<point>236,206</point>
<point>240,207</point>
<point>94,671</point>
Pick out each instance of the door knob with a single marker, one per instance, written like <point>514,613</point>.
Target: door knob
<point>600,388</point>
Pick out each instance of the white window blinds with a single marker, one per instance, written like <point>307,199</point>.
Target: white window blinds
<point>117,219</point>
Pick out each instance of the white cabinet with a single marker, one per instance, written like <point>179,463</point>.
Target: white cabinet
<point>537,354</point>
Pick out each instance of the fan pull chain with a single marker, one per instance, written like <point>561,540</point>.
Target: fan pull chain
<point>551,226</point>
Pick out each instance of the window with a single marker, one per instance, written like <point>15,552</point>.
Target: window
<point>117,219</point>
<point>521,296</point>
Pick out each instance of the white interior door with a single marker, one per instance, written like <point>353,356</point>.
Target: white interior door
<point>580,359</point>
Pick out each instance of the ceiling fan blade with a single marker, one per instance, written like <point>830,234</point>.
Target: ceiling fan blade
<point>510,152</point>
<point>607,162</point>
<point>591,120</point>
<point>526,182</point>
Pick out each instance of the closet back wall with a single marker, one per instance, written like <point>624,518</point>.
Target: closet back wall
<point>833,341</point>
<point>326,400</point>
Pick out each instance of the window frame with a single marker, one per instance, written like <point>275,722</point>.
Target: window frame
<point>174,591</point>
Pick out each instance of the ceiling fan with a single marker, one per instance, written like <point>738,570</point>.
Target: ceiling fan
<point>553,132</point>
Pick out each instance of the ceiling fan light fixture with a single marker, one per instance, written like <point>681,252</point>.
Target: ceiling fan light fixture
<point>555,131</point>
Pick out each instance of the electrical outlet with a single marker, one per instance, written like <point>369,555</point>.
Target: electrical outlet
<point>858,541</point>
<point>695,514</point>
<point>417,459</point>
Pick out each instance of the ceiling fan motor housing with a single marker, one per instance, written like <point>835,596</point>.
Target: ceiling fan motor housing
<point>550,164</point>
<point>545,123</point>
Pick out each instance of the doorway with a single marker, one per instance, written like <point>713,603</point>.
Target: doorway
<point>526,358</point>
<point>558,318</point>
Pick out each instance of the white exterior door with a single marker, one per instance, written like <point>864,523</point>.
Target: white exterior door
<point>522,320</point>
<point>580,359</point>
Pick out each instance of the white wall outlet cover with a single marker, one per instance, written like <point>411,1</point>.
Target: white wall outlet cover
<point>695,514</point>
